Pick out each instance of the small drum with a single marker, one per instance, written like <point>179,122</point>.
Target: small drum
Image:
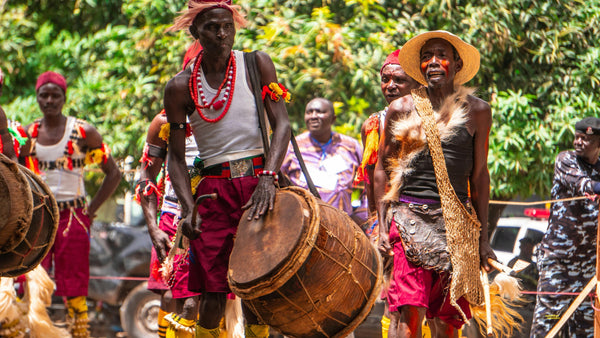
<point>28,219</point>
<point>305,269</point>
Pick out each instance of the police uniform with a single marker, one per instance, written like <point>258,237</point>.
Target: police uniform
<point>567,255</point>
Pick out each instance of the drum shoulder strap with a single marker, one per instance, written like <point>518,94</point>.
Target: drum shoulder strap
<point>253,73</point>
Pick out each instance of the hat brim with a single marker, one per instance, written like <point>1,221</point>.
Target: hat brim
<point>410,56</point>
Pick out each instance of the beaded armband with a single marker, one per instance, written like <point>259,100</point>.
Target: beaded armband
<point>269,173</point>
<point>275,91</point>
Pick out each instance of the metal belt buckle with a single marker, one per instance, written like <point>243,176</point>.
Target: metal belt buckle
<point>241,168</point>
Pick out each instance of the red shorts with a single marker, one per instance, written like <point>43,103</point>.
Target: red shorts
<point>155,282</point>
<point>70,254</point>
<point>416,286</point>
<point>209,253</point>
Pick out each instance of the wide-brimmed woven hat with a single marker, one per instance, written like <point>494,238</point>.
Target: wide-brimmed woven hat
<point>410,56</point>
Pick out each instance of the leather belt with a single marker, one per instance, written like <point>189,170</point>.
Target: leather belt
<point>249,166</point>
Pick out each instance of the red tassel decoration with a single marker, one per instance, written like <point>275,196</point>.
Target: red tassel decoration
<point>34,133</point>
<point>82,131</point>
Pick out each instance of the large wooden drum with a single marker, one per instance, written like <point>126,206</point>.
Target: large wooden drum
<point>28,219</point>
<point>306,269</point>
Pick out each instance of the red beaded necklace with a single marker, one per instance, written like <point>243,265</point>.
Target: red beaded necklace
<point>195,86</point>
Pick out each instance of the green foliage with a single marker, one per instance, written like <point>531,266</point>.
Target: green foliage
<point>539,64</point>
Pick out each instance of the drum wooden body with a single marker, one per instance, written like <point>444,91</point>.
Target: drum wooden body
<point>306,269</point>
<point>28,219</point>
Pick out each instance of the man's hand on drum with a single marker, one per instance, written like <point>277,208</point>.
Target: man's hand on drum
<point>262,199</point>
<point>189,230</point>
<point>161,243</point>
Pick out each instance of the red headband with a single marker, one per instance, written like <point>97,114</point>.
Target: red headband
<point>51,77</point>
<point>392,59</point>
<point>218,3</point>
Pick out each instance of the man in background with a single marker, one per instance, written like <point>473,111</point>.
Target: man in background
<point>331,158</point>
<point>567,253</point>
<point>61,147</point>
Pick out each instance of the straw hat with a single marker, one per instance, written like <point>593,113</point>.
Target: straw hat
<point>410,56</point>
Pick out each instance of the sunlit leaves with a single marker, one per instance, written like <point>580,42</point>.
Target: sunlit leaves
<point>539,64</point>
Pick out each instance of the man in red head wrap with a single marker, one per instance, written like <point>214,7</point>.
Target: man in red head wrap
<point>215,94</point>
<point>395,83</point>
<point>61,147</point>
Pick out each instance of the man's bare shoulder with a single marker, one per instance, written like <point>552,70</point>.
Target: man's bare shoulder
<point>477,104</point>
<point>179,81</point>
<point>400,107</point>
<point>481,111</point>
<point>177,94</point>
<point>3,120</point>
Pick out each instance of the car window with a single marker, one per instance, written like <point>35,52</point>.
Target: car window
<point>536,235</point>
<point>504,238</point>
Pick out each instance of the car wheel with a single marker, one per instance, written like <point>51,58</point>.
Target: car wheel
<point>139,312</point>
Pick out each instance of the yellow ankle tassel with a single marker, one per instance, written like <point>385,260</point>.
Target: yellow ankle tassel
<point>206,333</point>
<point>223,329</point>
<point>179,327</point>
<point>385,326</point>
<point>162,323</point>
<point>257,331</point>
<point>78,312</point>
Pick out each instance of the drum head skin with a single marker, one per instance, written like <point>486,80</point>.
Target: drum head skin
<point>16,205</point>
<point>264,246</point>
<point>40,232</point>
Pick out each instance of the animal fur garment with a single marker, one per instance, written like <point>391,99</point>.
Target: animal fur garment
<point>409,133</point>
<point>234,318</point>
<point>31,311</point>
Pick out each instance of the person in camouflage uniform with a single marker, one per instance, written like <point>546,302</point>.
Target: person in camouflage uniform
<point>567,255</point>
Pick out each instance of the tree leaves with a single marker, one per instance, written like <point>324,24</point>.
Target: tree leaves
<point>539,64</point>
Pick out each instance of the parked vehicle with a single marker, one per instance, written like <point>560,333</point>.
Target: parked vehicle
<point>509,231</point>
<point>119,268</point>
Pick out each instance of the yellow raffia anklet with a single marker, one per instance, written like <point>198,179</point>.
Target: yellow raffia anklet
<point>206,333</point>
<point>385,326</point>
<point>179,327</point>
<point>162,323</point>
<point>80,328</point>
<point>257,331</point>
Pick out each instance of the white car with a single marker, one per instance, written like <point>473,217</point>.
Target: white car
<point>510,230</point>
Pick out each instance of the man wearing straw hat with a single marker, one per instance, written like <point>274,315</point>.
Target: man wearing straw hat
<point>436,261</point>
<point>566,256</point>
<point>215,94</point>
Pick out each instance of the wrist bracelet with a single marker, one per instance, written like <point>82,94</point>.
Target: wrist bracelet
<point>269,173</point>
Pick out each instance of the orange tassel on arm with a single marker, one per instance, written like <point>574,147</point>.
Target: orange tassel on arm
<point>371,145</point>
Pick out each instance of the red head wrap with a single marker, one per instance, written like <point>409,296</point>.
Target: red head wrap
<point>228,2</point>
<point>197,7</point>
<point>392,59</point>
<point>217,4</point>
<point>51,77</point>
